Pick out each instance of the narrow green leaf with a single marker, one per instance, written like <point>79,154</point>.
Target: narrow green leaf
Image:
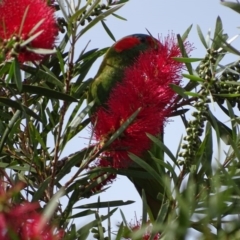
<point>120,232</point>
<point>22,108</point>
<point>99,226</point>
<point>144,208</point>
<point>73,160</point>
<point>217,34</point>
<point>228,47</point>
<point>163,212</point>
<point>77,14</point>
<point>180,91</point>
<point>200,34</point>
<point>184,53</point>
<point>45,74</point>
<point>147,167</point>
<point>232,5</point>
<point>40,191</point>
<point>193,78</point>
<point>121,129</point>
<point>221,129</point>
<point>50,208</point>
<point>83,231</point>
<point>108,30</point>
<point>17,75</point>
<point>82,214</point>
<point>227,95</point>
<point>123,218</point>
<point>41,91</point>
<point>42,51</point>
<point>192,94</point>
<point>98,18</point>
<point>163,147</point>
<point>187,60</point>
<point>119,17</point>
<point>105,204</point>
<point>30,39</point>
<point>185,34</point>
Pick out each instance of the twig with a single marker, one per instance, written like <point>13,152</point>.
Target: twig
<point>63,109</point>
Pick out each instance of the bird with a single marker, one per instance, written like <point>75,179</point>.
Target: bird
<point>120,56</point>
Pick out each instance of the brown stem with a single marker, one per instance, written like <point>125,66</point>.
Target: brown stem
<point>92,158</point>
<point>63,109</point>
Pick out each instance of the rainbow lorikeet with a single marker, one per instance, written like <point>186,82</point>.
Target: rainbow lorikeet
<point>118,58</point>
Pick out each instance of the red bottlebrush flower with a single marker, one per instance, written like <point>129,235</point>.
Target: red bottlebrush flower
<point>145,86</point>
<point>24,222</point>
<point>21,19</point>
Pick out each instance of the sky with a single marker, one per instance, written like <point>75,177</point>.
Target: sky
<point>159,17</point>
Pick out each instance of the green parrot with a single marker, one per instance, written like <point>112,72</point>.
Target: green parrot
<point>118,57</point>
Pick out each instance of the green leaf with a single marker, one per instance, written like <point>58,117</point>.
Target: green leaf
<point>217,34</point>
<point>208,147</point>
<point>51,207</point>
<point>163,147</point>
<point>17,74</point>
<point>221,129</point>
<point>41,91</point>
<point>228,47</point>
<point>84,231</point>
<point>30,39</point>
<point>119,17</point>
<point>120,232</point>
<point>200,34</point>
<point>185,34</point>
<point>123,218</point>
<point>79,90</point>
<point>42,51</point>
<point>187,60</point>
<point>99,226</point>
<point>46,74</point>
<point>121,129</point>
<point>73,160</point>
<point>227,95</point>
<point>163,212</point>
<point>108,30</point>
<point>76,125</point>
<point>144,208</point>
<point>99,18</point>
<point>180,91</point>
<point>82,214</point>
<point>40,191</point>
<point>232,5</point>
<point>193,78</point>
<point>184,53</point>
<point>13,104</point>
<point>23,168</point>
<point>77,14</point>
<point>192,94</point>
<point>147,167</point>
<point>105,204</point>
<point>35,136</point>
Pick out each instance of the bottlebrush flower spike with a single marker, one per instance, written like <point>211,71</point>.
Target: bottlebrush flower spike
<point>22,221</point>
<point>146,86</point>
<point>21,19</point>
